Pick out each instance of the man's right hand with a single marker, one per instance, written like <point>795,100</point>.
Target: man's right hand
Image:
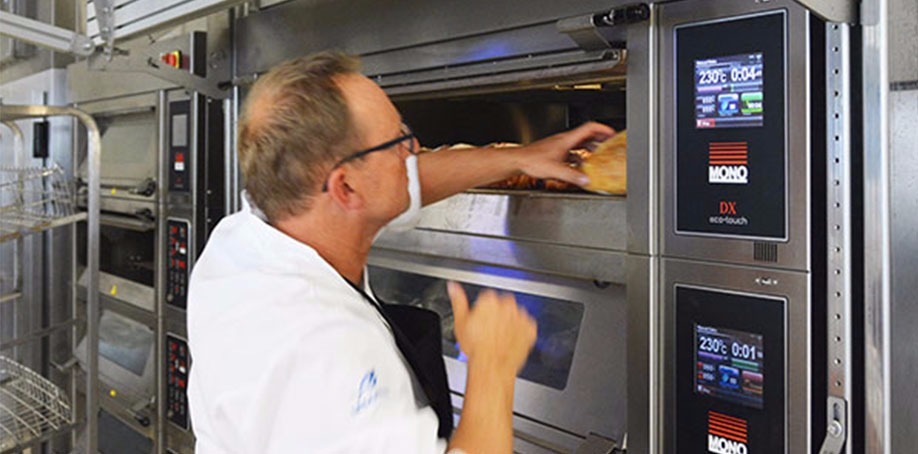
<point>496,332</point>
<point>497,336</point>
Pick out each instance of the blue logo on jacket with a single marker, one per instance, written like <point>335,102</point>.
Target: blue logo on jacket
<point>367,392</point>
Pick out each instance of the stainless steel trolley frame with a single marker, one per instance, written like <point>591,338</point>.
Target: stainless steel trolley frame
<point>26,391</point>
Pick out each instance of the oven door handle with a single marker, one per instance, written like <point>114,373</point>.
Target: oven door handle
<point>591,32</point>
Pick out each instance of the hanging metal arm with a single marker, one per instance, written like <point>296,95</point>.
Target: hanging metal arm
<point>41,34</point>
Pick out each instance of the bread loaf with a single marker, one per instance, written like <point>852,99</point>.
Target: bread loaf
<point>607,166</point>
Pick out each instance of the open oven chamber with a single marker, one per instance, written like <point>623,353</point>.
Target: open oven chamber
<point>581,262</point>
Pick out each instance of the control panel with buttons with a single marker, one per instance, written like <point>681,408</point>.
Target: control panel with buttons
<point>177,262</point>
<point>178,362</point>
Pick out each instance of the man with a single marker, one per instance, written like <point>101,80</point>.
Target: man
<point>291,352</point>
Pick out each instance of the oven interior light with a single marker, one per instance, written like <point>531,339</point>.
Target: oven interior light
<point>592,87</point>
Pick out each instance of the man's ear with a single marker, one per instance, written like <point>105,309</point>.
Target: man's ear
<point>341,192</point>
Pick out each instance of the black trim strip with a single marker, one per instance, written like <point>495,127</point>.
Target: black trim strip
<point>904,86</point>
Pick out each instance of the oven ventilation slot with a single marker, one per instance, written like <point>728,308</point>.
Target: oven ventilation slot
<point>765,252</point>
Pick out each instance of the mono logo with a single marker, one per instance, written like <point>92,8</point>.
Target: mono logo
<point>728,163</point>
<point>726,434</point>
<point>721,445</point>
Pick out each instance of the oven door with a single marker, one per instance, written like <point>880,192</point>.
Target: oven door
<point>574,380</point>
<point>130,139</point>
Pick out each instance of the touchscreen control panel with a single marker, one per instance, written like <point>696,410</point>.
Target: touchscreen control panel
<point>731,150</point>
<point>728,91</point>
<point>730,370</point>
<point>730,365</point>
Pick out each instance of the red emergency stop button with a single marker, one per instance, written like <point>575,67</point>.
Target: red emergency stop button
<point>173,59</point>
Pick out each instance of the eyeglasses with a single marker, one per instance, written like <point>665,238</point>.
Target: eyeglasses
<point>406,135</point>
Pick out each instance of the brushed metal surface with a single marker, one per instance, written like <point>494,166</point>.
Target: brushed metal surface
<point>643,353</point>
<point>877,212</point>
<point>833,10</point>
<point>530,436</point>
<point>608,266</point>
<point>368,27</point>
<point>903,47</point>
<point>642,121</point>
<point>596,222</point>
<point>89,85</point>
<point>839,235</point>
<point>903,106</point>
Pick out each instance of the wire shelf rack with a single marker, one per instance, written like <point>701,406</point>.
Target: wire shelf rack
<point>31,407</point>
<point>33,199</point>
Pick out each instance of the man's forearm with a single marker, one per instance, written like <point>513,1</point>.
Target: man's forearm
<point>449,172</point>
<point>486,425</point>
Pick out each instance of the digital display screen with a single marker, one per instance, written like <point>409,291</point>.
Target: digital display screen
<point>730,365</point>
<point>728,92</point>
<point>180,130</point>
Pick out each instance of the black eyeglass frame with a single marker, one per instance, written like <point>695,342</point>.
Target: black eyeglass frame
<point>408,135</point>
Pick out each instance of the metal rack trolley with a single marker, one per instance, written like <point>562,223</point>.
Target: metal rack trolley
<point>32,409</point>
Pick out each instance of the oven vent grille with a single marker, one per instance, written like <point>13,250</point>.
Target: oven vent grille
<point>765,252</point>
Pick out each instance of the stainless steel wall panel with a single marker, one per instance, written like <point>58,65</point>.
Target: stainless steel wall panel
<point>903,107</point>
<point>903,45</point>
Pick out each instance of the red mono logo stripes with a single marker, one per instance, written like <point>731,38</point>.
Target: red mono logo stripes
<point>728,153</point>
<point>727,426</point>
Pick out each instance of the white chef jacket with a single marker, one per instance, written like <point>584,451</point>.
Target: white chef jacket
<point>288,358</point>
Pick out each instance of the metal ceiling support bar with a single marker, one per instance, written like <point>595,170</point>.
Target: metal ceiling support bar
<point>45,35</point>
<point>142,16</point>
